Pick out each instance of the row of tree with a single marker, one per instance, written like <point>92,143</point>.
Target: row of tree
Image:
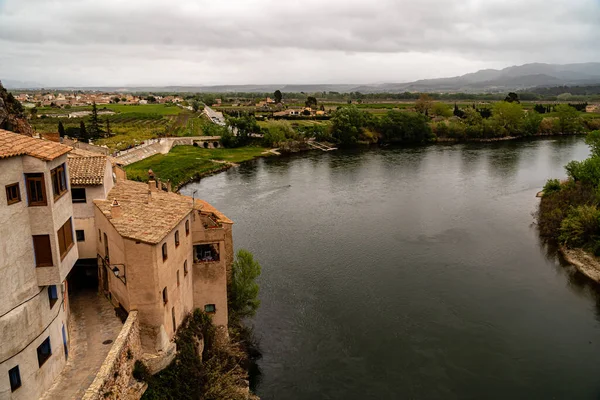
<point>94,129</point>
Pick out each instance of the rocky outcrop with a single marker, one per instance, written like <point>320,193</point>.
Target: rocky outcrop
<point>12,117</point>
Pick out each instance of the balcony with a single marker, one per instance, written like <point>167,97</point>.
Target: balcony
<point>206,253</point>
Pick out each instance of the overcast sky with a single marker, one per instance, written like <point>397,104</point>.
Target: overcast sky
<point>193,42</point>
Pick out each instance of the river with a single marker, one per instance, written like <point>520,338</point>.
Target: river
<point>412,273</point>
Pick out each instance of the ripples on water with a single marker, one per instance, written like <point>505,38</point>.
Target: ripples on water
<point>412,273</point>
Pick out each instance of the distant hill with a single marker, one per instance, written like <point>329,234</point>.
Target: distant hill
<point>521,77</point>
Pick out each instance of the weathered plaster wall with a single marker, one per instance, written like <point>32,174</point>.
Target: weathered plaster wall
<point>87,248</point>
<point>114,380</point>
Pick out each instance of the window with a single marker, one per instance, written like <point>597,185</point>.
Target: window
<point>185,271</point>
<point>52,295</point>
<point>44,351</point>
<point>210,308</point>
<point>36,189</point>
<point>164,251</point>
<point>59,181</point>
<point>177,277</point>
<point>173,318</point>
<point>99,236</point>
<point>15,378</point>
<point>13,194</point>
<point>42,251</point>
<point>80,235</point>
<point>187,227</point>
<point>165,296</point>
<point>176,238</point>
<point>65,238</point>
<point>78,195</point>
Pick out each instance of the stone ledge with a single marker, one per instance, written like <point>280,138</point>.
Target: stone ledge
<point>586,263</point>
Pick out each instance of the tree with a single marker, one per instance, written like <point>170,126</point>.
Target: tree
<point>278,96</point>
<point>568,119</point>
<point>243,290</point>
<point>94,122</point>
<point>532,122</point>
<point>244,126</point>
<point>83,134</point>
<point>423,104</point>
<point>195,105</point>
<point>512,97</point>
<point>33,112</point>
<point>347,124</point>
<point>311,102</point>
<point>508,118</point>
<point>405,127</point>
<point>107,127</point>
<point>61,129</point>
<point>151,99</point>
<point>116,99</point>
<point>593,140</point>
<point>441,110</point>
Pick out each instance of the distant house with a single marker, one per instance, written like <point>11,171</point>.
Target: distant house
<point>592,108</point>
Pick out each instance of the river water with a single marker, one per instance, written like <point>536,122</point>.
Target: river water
<point>412,273</point>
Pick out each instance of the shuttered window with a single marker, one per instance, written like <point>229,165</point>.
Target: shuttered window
<point>36,189</point>
<point>65,238</point>
<point>42,250</point>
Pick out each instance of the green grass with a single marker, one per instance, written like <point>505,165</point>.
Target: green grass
<point>161,109</point>
<point>183,163</point>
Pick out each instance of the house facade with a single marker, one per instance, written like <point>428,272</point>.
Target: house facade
<point>37,253</point>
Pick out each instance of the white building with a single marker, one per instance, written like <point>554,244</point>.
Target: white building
<point>37,252</point>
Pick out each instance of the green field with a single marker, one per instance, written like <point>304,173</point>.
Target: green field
<point>183,163</point>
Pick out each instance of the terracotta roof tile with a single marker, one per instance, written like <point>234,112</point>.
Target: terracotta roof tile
<point>203,206</point>
<point>144,217</point>
<point>86,170</point>
<point>13,144</point>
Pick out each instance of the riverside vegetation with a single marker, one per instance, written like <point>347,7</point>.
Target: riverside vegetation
<point>569,211</point>
<point>221,370</point>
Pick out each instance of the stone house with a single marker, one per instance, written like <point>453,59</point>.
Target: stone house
<point>162,254</point>
<point>37,253</point>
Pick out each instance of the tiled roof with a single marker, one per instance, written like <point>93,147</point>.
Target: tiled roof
<point>203,206</point>
<point>13,144</point>
<point>86,170</point>
<point>143,217</point>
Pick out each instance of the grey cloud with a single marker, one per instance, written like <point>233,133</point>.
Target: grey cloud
<point>496,32</point>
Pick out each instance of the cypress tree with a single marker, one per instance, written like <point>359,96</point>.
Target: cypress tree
<point>61,129</point>
<point>94,122</point>
<point>83,135</point>
<point>107,127</point>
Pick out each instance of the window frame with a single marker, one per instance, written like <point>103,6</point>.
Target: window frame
<point>82,235</point>
<point>187,227</point>
<point>165,252</point>
<point>36,177</point>
<point>16,378</point>
<point>38,262</point>
<point>208,306</point>
<point>165,296</point>
<point>177,241</point>
<point>178,280</point>
<point>58,177</point>
<point>185,268</point>
<point>42,356</point>
<point>65,238</point>
<point>78,200</point>
<point>9,198</point>
<point>52,295</point>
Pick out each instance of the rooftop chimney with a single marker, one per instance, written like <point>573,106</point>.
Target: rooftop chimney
<point>115,210</point>
<point>151,182</point>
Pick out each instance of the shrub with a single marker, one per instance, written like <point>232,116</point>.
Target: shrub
<point>553,185</point>
<point>581,226</point>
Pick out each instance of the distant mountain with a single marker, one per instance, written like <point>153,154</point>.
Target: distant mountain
<point>521,77</point>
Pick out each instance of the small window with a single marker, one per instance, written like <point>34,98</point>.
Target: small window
<point>210,308</point>
<point>165,296</point>
<point>173,318</point>
<point>13,194</point>
<point>185,270</point>
<point>187,227</point>
<point>52,295</point>
<point>176,238</point>
<point>65,238</point>
<point>78,195</point>
<point>36,189</point>
<point>44,351</point>
<point>164,251</point>
<point>59,181</point>
<point>177,277</point>
<point>42,251</point>
<point>80,234</point>
<point>15,378</point>
<point>99,236</point>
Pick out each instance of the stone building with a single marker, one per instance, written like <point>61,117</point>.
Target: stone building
<point>162,254</point>
<point>37,253</point>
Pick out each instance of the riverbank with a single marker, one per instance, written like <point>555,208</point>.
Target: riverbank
<point>586,263</point>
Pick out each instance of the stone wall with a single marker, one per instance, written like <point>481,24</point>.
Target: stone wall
<point>114,379</point>
<point>85,146</point>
